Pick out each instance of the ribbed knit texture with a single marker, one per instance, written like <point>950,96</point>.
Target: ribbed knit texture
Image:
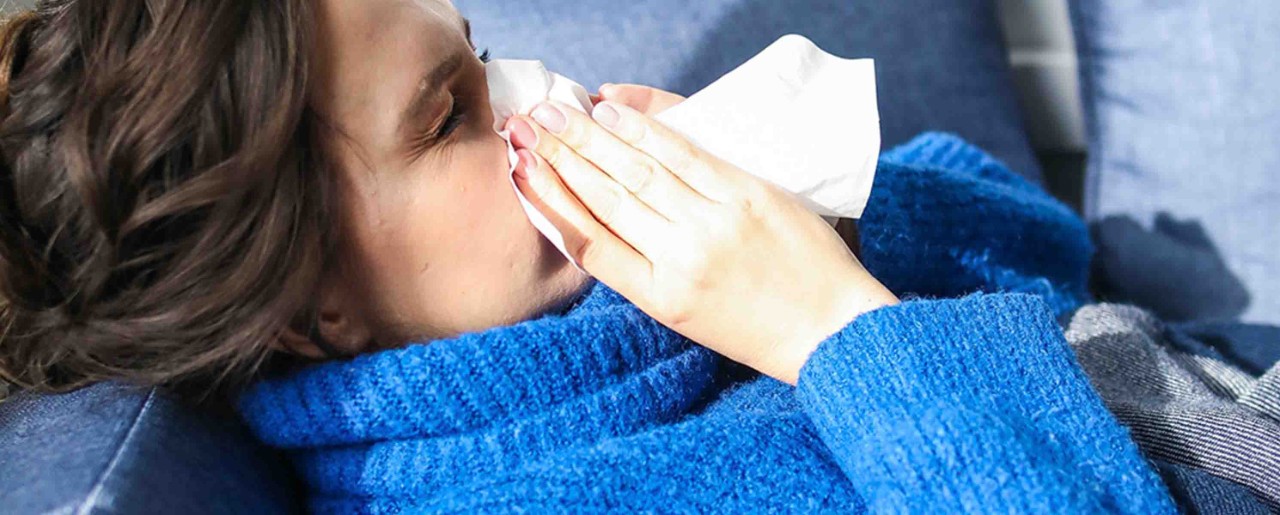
<point>977,402</point>
<point>946,219</point>
<point>972,404</point>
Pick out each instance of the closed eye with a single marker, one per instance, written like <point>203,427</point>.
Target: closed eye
<point>457,115</point>
<point>422,142</point>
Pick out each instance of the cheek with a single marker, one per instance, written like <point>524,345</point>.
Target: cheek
<point>446,247</point>
<point>440,213</point>
<point>474,209</point>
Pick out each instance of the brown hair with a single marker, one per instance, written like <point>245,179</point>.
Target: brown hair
<point>162,207</point>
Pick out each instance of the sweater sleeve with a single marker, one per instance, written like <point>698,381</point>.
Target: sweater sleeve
<point>974,405</point>
<point>945,219</point>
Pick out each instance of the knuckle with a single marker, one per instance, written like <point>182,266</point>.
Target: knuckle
<point>646,173</point>
<point>684,156</point>
<point>753,200</point>
<point>675,154</point>
<point>553,152</point>
<point>744,207</point>
<point>636,132</point>
<point>544,187</point>
<point>609,209</point>
<point>575,132</point>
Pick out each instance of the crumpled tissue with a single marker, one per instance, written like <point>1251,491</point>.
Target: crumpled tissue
<point>793,115</point>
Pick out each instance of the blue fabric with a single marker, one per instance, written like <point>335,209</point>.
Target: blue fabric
<point>1208,493</point>
<point>1013,237</point>
<point>968,404</point>
<point>976,404</point>
<point>111,448</point>
<point>940,64</point>
<point>1183,121</point>
<point>1255,348</point>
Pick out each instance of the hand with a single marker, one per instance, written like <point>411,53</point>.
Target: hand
<point>648,101</point>
<point>726,259</point>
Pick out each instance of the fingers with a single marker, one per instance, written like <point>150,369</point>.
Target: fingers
<point>598,250</point>
<point>693,166</point>
<point>607,201</point>
<point>647,100</point>
<point>635,171</point>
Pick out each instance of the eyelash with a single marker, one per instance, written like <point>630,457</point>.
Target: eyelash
<point>457,115</point>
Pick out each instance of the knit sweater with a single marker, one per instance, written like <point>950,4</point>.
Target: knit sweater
<point>973,403</point>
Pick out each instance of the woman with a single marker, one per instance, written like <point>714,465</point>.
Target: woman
<point>193,190</point>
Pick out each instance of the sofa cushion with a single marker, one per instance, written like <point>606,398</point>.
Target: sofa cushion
<point>118,449</point>
<point>1184,124</point>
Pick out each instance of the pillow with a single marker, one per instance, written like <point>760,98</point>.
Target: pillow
<point>941,64</point>
<point>1183,118</point>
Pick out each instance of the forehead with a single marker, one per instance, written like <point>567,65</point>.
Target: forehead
<point>376,21</point>
<point>442,8</point>
<point>373,54</point>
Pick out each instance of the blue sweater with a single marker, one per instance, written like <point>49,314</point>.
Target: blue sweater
<point>964,398</point>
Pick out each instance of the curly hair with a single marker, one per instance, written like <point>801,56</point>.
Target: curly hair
<point>163,204</point>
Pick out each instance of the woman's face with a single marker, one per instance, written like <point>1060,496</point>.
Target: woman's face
<point>434,242</point>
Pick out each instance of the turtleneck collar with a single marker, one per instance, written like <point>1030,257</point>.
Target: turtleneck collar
<point>532,370</point>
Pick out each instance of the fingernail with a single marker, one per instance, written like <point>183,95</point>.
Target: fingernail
<point>550,117</point>
<point>606,115</point>
<point>606,89</point>
<point>525,162</point>
<point>522,135</point>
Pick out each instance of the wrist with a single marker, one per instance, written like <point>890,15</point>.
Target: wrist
<point>855,298</point>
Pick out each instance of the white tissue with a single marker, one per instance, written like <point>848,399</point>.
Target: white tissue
<point>793,115</point>
<point>516,87</point>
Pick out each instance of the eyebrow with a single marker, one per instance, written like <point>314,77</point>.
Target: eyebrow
<point>430,83</point>
<point>433,80</point>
